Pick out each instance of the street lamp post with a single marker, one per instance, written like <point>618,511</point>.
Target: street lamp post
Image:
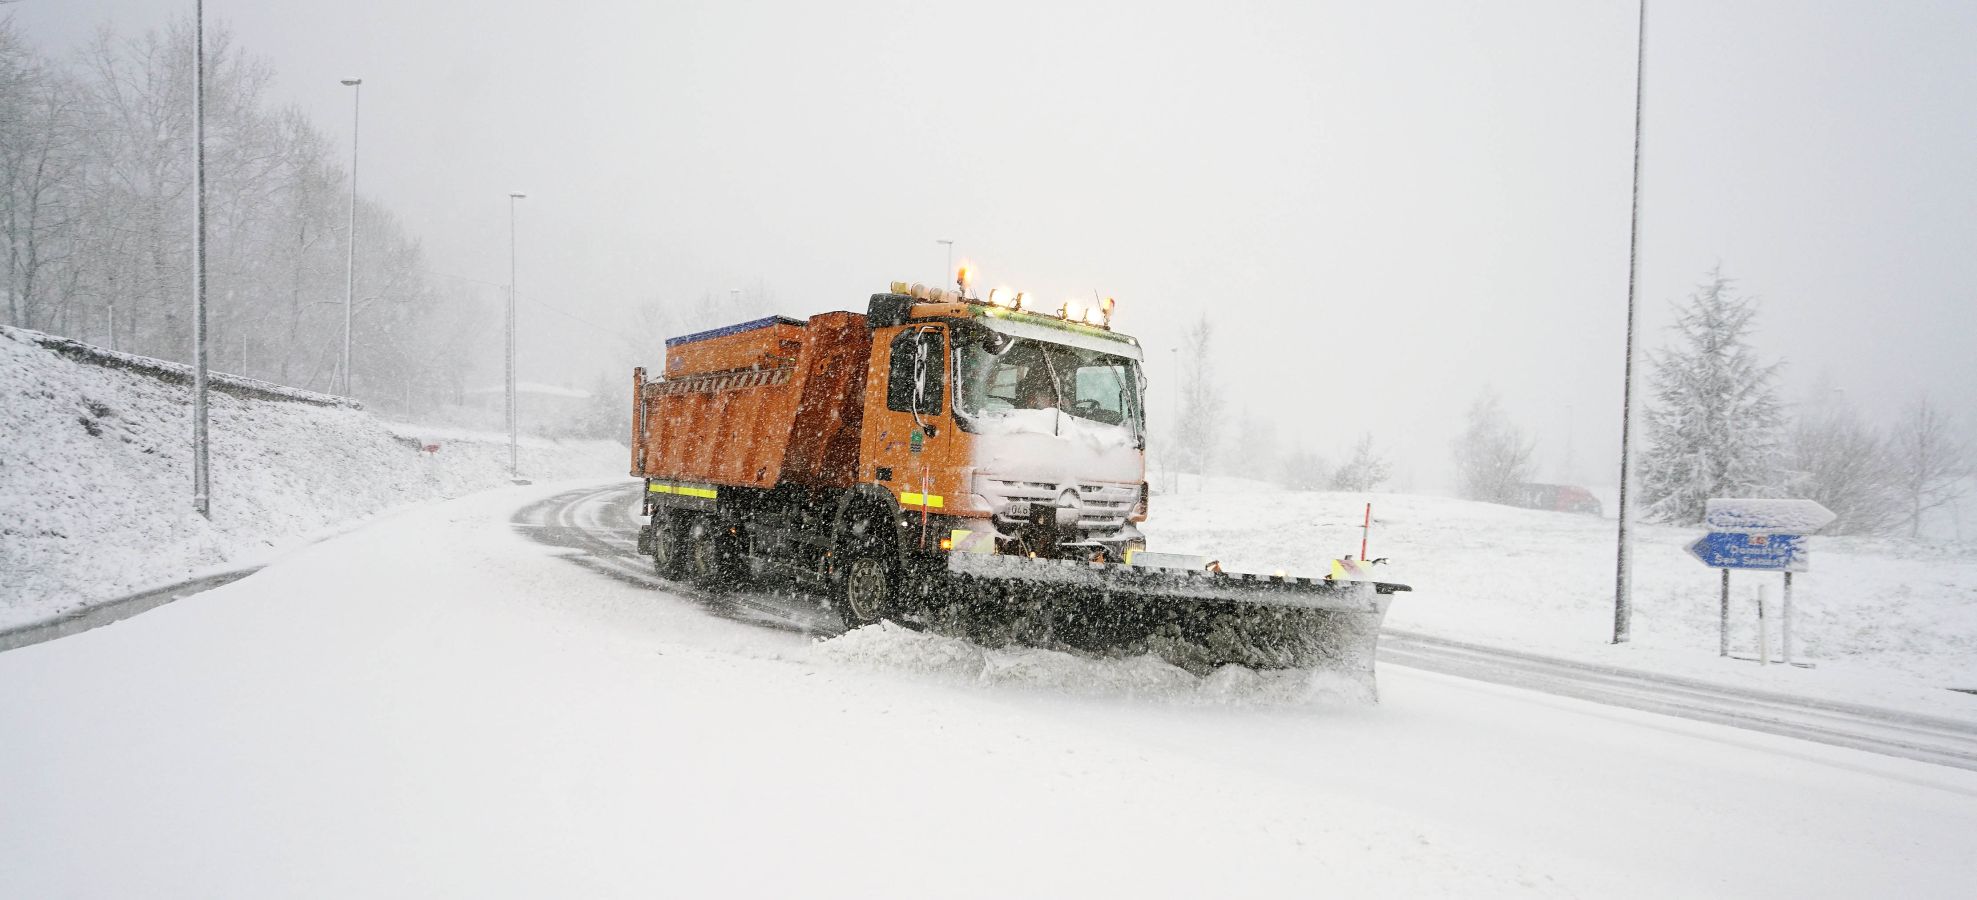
<point>950,261</point>
<point>350,252</point>
<point>513,455</point>
<point>202,499</point>
<point>1623,577</point>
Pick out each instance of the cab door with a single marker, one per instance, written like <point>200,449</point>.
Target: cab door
<point>909,437</point>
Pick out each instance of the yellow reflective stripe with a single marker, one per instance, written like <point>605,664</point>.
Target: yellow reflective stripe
<point>935,501</point>
<point>706,493</point>
<point>967,540</point>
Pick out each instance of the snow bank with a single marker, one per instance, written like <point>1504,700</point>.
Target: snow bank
<point>96,474</point>
<point>890,647</point>
<point>1888,622</point>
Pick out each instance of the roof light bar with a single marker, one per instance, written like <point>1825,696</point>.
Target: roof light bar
<point>1097,315</point>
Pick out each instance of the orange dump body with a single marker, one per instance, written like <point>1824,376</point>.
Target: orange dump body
<point>764,403</point>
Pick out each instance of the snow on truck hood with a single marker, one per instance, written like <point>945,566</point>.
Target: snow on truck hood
<point>1047,445</point>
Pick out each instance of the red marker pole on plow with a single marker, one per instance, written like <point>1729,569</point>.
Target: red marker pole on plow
<point>1365,529</point>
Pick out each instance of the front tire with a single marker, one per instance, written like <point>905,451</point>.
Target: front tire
<point>872,577</point>
<point>867,592</point>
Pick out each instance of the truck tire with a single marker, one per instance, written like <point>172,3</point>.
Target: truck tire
<point>871,579</point>
<point>665,547</point>
<point>703,553</point>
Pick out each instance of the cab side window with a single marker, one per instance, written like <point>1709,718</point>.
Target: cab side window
<point>918,357</point>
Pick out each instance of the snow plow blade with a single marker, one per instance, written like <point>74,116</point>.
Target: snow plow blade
<point>1193,618</point>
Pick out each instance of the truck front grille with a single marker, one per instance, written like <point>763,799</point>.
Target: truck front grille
<point>1105,506</point>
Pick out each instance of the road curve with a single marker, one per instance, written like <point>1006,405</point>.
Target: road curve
<point>600,524</point>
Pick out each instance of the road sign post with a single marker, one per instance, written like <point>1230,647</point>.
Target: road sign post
<point>1785,619</point>
<point>1766,535</point>
<point>1763,631</point>
<point>1723,619</point>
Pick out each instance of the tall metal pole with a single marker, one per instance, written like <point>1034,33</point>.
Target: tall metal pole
<point>350,254</point>
<point>201,492</point>
<point>514,466</point>
<point>1623,587</point>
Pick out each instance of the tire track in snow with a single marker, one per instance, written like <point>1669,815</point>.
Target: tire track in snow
<point>598,522</point>
<point>1888,732</point>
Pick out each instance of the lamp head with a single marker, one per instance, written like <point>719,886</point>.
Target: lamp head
<point>352,82</point>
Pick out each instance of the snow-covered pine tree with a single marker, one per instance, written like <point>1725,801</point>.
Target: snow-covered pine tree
<point>1713,423</point>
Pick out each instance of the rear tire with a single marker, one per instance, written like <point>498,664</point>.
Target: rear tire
<point>665,543</point>
<point>703,553</point>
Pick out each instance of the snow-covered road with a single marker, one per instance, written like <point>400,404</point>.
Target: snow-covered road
<point>599,523</point>
<point>436,705</point>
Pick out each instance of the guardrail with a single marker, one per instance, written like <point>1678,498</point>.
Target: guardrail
<point>172,372</point>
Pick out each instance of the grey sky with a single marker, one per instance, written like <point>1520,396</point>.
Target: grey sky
<point>1384,206</point>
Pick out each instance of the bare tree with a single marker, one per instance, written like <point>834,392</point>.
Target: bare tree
<point>1930,462</point>
<point>1199,426</point>
<point>41,157</point>
<point>1304,470</point>
<point>1366,469</point>
<point>1837,460</point>
<point>95,203</point>
<point>1493,458</point>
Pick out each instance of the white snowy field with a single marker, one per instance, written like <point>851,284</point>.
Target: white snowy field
<point>96,472</point>
<point>435,705</point>
<point>1886,622</point>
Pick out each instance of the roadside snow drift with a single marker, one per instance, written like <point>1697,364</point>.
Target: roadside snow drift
<point>1888,622</point>
<point>96,475</point>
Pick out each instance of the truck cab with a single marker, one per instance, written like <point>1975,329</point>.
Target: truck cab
<point>1005,429</point>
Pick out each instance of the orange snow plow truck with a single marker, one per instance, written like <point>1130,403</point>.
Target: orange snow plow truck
<point>974,467</point>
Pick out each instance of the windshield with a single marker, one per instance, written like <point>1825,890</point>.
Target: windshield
<point>996,373</point>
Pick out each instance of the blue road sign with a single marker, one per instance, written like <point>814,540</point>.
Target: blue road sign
<point>1736,550</point>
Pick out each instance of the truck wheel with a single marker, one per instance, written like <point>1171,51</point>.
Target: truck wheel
<point>871,578</point>
<point>703,552</point>
<point>665,547</point>
<point>867,592</point>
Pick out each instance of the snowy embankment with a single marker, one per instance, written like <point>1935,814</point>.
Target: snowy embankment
<point>1885,622</point>
<point>96,475</point>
